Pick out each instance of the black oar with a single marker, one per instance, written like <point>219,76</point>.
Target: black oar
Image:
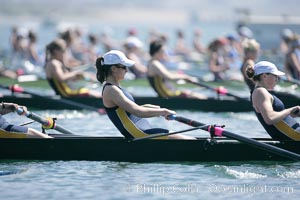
<point>219,131</point>
<point>64,101</point>
<point>220,91</point>
<point>48,123</point>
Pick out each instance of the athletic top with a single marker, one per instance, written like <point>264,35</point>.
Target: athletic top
<point>286,129</point>
<point>8,130</point>
<point>130,125</point>
<point>64,90</point>
<point>162,88</point>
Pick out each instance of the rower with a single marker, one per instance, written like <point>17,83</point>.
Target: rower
<point>8,130</point>
<point>119,104</point>
<point>59,76</point>
<point>159,76</point>
<point>277,120</point>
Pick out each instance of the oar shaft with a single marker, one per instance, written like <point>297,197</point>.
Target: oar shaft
<point>219,91</point>
<point>64,101</point>
<point>44,121</point>
<point>166,134</point>
<point>249,141</point>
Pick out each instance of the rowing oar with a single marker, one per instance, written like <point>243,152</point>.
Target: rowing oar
<point>219,131</point>
<point>170,133</point>
<point>47,123</point>
<point>18,89</point>
<point>293,81</point>
<point>219,90</point>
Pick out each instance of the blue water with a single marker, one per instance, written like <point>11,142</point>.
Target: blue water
<point>123,180</point>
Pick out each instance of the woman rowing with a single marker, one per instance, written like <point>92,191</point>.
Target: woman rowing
<point>59,77</point>
<point>120,107</point>
<point>159,76</point>
<point>8,130</point>
<point>277,120</point>
<point>251,49</point>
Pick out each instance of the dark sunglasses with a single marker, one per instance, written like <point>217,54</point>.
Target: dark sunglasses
<point>121,67</point>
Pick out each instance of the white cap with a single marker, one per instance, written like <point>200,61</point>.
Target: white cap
<point>133,42</point>
<point>267,67</point>
<point>245,32</point>
<point>114,57</point>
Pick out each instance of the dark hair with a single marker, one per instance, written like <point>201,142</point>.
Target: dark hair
<point>32,36</point>
<point>102,70</point>
<point>57,44</point>
<point>251,73</point>
<point>155,46</point>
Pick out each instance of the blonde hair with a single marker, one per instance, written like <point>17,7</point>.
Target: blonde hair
<point>250,45</point>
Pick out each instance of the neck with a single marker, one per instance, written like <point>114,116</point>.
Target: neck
<point>112,81</point>
<point>260,84</point>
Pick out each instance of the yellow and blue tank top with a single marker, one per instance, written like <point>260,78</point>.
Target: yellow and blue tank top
<point>286,129</point>
<point>128,124</point>
<point>64,90</point>
<point>161,87</point>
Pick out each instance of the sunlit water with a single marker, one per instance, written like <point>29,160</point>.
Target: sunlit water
<point>123,180</point>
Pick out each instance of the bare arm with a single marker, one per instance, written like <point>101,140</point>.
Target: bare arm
<point>10,107</point>
<point>157,68</point>
<point>113,96</point>
<point>56,70</point>
<point>262,101</point>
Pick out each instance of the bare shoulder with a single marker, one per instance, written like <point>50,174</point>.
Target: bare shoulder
<point>110,94</point>
<point>110,90</point>
<point>54,63</point>
<point>261,92</point>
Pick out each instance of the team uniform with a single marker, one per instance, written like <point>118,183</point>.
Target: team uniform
<point>286,129</point>
<point>64,90</point>
<point>160,85</point>
<point>130,125</point>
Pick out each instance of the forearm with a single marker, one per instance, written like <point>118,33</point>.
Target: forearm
<point>275,117</point>
<point>146,112</point>
<point>7,107</point>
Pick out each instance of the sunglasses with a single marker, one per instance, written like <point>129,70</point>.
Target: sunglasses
<point>121,67</point>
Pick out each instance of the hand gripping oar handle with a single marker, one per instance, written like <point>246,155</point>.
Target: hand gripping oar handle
<point>219,131</point>
<point>46,123</point>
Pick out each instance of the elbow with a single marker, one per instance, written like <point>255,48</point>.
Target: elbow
<point>269,122</point>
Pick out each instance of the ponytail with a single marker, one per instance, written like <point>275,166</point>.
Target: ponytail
<point>102,70</point>
<point>251,73</point>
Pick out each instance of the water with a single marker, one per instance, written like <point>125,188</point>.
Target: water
<point>124,180</point>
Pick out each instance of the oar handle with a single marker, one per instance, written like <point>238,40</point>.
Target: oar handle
<point>46,123</point>
<point>20,111</point>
